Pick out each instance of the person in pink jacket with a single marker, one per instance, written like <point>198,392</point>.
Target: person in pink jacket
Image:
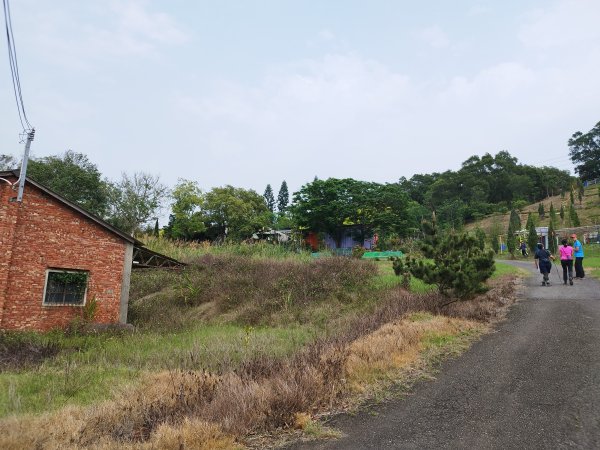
<point>566,261</point>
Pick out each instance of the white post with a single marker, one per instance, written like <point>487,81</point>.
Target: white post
<point>23,173</point>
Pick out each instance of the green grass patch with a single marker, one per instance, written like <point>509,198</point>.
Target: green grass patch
<point>387,279</point>
<point>89,367</point>
<point>503,269</point>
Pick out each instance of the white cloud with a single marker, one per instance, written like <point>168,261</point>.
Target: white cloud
<point>563,23</point>
<point>80,36</point>
<point>434,36</point>
<point>347,116</point>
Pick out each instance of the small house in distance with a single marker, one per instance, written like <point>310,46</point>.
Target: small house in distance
<point>57,257</point>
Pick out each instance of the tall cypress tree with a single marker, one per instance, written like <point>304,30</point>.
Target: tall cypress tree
<point>515,220</point>
<point>562,213</point>
<point>283,198</point>
<point>532,236</point>
<point>541,211</point>
<point>268,195</point>
<point>552,213</point>
<point>573,217</point>
<point>551,238</point>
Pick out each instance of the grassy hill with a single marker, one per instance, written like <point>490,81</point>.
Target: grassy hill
<point>588,211</point>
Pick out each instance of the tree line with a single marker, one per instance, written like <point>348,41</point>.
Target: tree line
<point>483,185</point>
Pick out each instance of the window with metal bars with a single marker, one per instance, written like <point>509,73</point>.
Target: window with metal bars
<point>65,287</point>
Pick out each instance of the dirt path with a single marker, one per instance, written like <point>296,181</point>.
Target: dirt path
<point>533,383</point>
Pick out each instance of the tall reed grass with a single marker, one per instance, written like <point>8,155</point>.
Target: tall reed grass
<point>185,251</point>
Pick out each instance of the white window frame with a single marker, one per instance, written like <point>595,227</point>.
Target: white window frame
<point>48,271</point>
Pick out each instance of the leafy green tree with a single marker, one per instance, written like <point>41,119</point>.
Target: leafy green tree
<point>541,211</point>
<point>8,162</point>
<point>532,236</point>
<point>269,198</point>
<point>455,262</point>
<point>75,177</point>
<point>234,213</point>
<point>327,205</point>
<point>135,200</point>
<point>584,150</point>
<point>283,197</point>
<point>186,220</point>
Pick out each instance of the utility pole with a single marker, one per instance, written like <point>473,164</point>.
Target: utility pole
<point>23,173</point>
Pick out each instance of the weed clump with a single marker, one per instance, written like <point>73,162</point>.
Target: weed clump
<point>251,290</point>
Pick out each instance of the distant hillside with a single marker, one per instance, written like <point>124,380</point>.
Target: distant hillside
<point>588,212</point>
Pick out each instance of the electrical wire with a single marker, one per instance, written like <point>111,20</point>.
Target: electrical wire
<point>14,69</point>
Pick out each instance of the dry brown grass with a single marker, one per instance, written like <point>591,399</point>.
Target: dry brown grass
<point>397,345</point>
<point>193,409</point>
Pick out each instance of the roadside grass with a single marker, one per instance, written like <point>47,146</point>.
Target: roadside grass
<point>287,337</point>
<point>503,269</point>
<point>90,368</point>
<point>387,279</point>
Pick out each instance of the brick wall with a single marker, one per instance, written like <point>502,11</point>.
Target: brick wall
<point>44,233</point>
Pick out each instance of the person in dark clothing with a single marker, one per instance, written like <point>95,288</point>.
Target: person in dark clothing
<point>543,262</point>
<point>523,248</point>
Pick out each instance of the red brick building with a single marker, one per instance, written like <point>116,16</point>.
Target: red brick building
<point>56,258</point>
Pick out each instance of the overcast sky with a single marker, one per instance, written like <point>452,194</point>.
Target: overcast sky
<point>254,92</point>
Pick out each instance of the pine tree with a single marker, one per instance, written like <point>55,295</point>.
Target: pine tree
<point>269,199</point>
<point>541,211</point>
<point>156,229</point>
<point>283,198</point>
<point>455,262</point>
<point>572,198</point>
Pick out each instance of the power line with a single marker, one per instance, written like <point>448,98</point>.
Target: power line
<point>14,68</point>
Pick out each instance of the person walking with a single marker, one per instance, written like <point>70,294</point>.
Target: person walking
<point>542,262</point>
<point>523,248</point>
<point>578,249</point>
<point>566,261</point>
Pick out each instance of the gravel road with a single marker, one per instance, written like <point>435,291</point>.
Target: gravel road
<point>533,383</point>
